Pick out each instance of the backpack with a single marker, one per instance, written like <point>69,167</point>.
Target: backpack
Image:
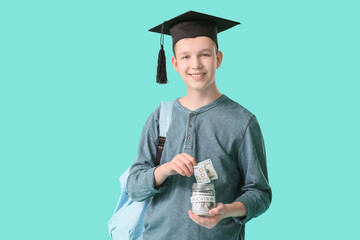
<point>127,220</point>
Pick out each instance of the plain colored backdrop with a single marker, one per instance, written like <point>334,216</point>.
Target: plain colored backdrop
<point>77,83</point>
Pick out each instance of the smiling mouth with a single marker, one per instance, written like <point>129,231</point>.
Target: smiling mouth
<point>197,75</point>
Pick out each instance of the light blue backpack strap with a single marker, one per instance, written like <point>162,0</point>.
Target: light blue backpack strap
<point>165,117</point>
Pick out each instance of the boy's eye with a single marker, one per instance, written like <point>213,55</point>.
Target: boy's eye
<point>204,54</point>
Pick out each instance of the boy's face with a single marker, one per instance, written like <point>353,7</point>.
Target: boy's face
<point>196,60</point>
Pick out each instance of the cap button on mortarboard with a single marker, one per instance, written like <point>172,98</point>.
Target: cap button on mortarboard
<point>161,68</point>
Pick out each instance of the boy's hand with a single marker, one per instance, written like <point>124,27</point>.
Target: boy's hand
<point>216,215</point>
<point>220,211</point>
<point>182,164</point>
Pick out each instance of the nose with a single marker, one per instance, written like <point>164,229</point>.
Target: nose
<point>196,63</point>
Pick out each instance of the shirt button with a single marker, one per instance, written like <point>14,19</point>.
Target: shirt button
<point>190,125</point>
<point>189,138</point>
<point>192,115</point>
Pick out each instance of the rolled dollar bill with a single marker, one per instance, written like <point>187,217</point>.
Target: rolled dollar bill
<point>210,170</point>
<point>201,175</point>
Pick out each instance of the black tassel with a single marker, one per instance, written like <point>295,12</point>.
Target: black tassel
<point>161,68</point>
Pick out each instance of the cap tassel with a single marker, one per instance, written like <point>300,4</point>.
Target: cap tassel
<point>161,77</point>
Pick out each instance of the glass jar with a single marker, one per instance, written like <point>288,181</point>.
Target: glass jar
<point>202,198</point>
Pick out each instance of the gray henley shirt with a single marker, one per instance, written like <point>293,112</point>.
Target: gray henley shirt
<point>230,136</point>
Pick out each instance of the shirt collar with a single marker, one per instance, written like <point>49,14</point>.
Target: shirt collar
<point>203,108</point>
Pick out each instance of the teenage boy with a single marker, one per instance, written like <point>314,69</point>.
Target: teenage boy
<point>205,124</point>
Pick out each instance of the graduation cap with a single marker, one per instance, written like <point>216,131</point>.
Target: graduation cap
<point>188,25</point>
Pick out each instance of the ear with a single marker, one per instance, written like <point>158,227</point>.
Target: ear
<point>219,58</point>
<point>174,63</point>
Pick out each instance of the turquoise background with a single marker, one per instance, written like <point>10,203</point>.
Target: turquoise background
<point>77,83</point>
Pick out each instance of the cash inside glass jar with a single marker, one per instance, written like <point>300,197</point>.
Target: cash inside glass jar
<point>203,198</point>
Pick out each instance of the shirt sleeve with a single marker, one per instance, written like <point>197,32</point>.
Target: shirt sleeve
<point>140,183</point>
<point>256,193</point>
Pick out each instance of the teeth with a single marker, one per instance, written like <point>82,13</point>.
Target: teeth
<point>197,75</point>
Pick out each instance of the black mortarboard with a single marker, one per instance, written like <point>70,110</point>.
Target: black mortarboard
<point>188,25</point>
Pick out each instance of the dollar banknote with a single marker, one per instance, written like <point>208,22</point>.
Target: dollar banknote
<point>201,175</point>
<point>210,170</point>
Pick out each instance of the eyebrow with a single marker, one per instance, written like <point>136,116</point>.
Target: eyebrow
<point>202,50</point>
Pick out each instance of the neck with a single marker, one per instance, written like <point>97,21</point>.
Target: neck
<point>196,99</point>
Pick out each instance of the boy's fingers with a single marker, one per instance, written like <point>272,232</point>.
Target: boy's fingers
<point>187,163</point>
<point>192,159</point>
<point>178,170</point>
<point>191,215</point>
<point>218,209</point>
<point>214,211</point>
<point>183,167</point>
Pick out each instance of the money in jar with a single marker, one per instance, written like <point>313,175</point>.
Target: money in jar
<point>203,198</point>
